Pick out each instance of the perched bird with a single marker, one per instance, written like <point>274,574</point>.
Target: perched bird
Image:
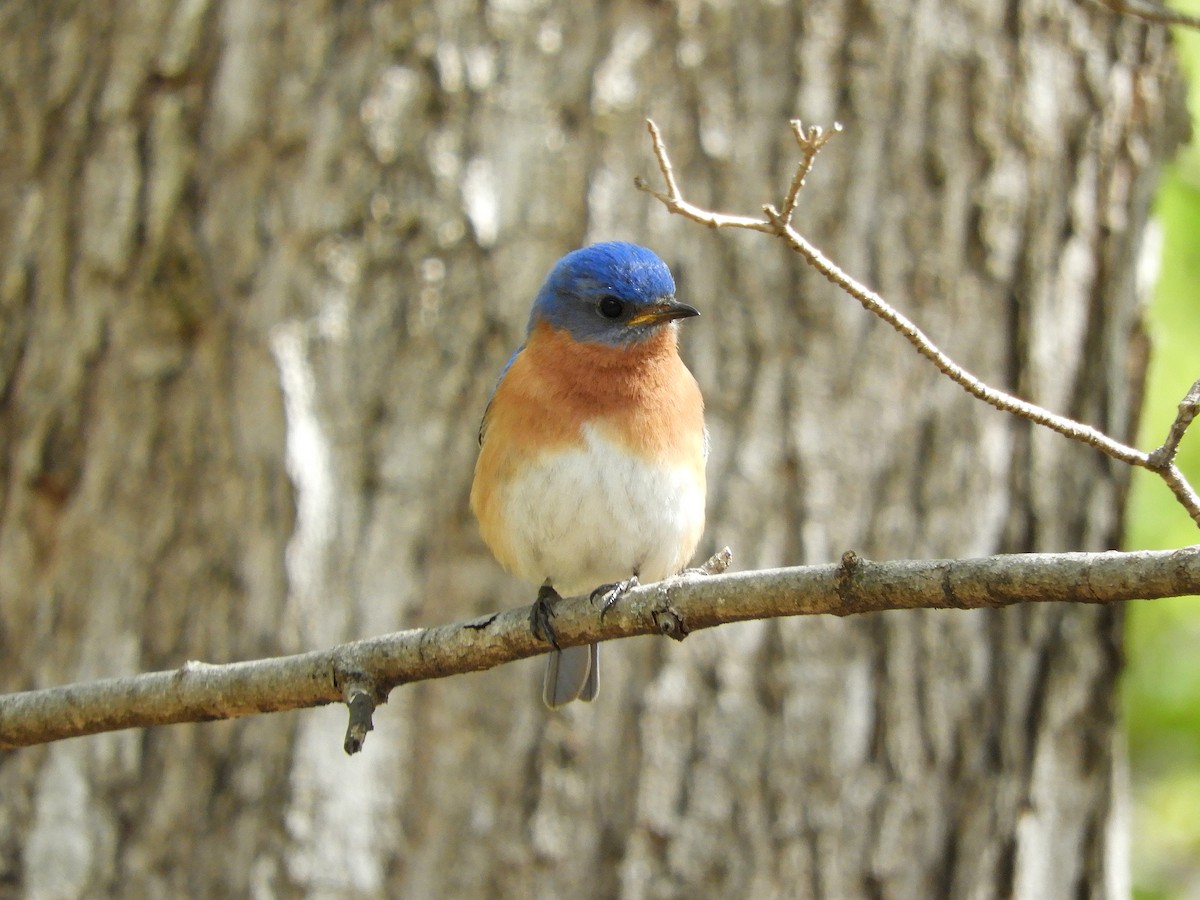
<point>592,448</point>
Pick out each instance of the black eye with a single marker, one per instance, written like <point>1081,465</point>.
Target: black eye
<point>611,307</point>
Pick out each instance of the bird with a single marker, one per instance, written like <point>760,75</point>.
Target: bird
<point>592,448</point>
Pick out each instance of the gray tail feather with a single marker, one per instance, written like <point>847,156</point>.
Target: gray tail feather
<point>571,674</point>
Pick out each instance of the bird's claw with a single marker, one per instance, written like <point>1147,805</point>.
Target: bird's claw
<point>608,594</point>
<point>541,614</point>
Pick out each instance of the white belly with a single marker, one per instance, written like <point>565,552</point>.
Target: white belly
<point>595,515</point>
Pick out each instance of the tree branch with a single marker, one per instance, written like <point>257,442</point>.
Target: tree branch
<point>363,672</point>
<point>778,223</point>
<point>1149,11</point>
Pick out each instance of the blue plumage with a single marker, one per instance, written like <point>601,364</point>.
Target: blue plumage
<point>614,293</point>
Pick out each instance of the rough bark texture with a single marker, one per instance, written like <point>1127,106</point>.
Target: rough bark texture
<point>259,267</point>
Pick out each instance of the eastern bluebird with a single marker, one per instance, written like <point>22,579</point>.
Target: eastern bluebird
<point>593,445</point>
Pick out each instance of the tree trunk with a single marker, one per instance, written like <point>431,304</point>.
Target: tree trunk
<point>260,265</point>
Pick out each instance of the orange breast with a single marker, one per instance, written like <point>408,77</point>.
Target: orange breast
<point>643,394</point>
<point>643,399</point>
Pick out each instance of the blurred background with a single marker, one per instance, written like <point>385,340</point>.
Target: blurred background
<point>1162,684</point>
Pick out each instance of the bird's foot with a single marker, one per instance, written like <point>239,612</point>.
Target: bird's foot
<point>608,594</point>
<point>542,613</point>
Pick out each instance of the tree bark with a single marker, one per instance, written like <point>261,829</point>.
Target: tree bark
<point>259,268</point>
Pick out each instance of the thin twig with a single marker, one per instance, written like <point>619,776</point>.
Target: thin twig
<point>811,140</point>
<point>1002,400</point>
<point>778,224</point>
<point>673,199</point>
<point>200,692</point>
<point>1151,12</point>
<point>1162,460</point>
<point>664,161</point>
<point>677,204</point>
<point>1182,489</point>
<point>1189,408</point>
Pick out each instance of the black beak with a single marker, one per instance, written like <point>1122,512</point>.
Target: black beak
<point>664,312</point>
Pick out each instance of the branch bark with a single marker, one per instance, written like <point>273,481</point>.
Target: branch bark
<point>199,692</point>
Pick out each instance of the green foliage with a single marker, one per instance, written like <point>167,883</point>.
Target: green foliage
<point>1162,684</point>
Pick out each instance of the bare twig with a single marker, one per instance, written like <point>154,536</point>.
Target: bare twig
<point>674,201</point>
<point>778,223</point>
<point>811,140</point>
<point>1189,408</point>
<point>1162,460</point>
<point>200,692</point>
<point>664,161</point>
<point>677,204</point>
<point>1002,400</point>
<point>1151,12</point>
<point>1182,489</point>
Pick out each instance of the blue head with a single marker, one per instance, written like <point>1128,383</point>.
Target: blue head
<point>614,293</point>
